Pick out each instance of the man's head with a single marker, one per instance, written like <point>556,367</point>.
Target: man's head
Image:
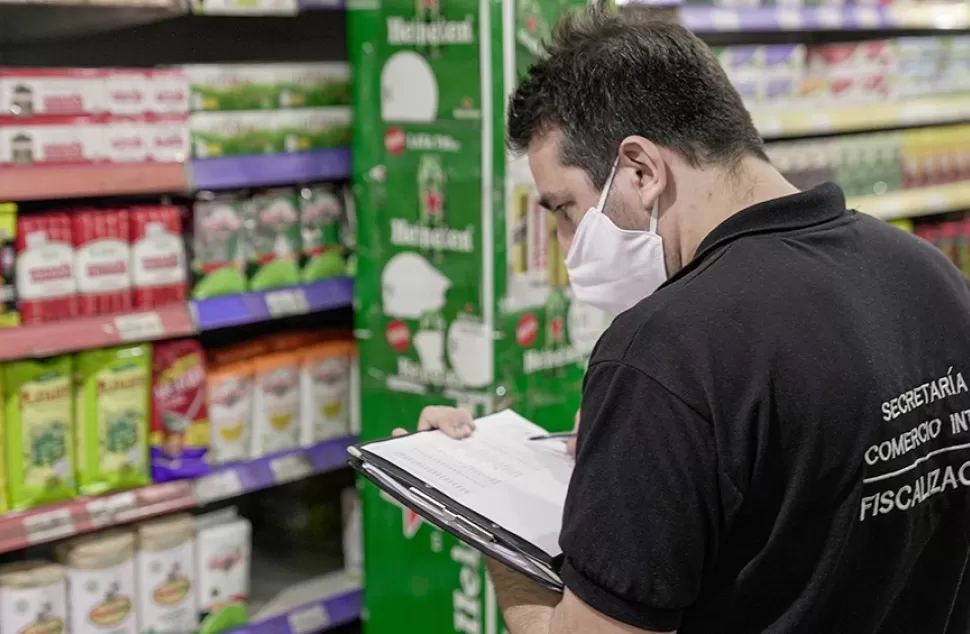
<point>622,87</point>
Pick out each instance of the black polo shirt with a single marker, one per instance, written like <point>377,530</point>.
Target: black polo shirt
<point>778,440</point>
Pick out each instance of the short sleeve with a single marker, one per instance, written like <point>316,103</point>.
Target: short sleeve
<point>641,521</point>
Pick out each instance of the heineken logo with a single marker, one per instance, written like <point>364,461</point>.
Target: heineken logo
<point>527,330</point>
<point>538,360</point>
<point>406,234</point>
<point>401,32</point>
<point>398,336</point>
<point>396,141</point>
<point>467,599</point>
<point>416,373</point>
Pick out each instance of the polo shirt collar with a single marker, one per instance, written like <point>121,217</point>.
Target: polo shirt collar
<point>811,207</point>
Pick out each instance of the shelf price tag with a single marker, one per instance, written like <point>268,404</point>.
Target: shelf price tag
<point>309,620</point>
<point>246,7</point>
<point>48,526</point>
<point>291,467</point>
<point>218,486</point>
<point>139,327</point>
<point>288,301</point>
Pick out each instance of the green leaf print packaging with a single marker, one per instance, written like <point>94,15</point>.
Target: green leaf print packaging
<point>321,214</point>
<point>273,239</point>
<point>112,400</point>
<point>218,246</point>
<point>38,415</point>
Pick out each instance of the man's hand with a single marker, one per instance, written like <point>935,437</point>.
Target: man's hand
<point>458,423</point>
<point>455,422</point>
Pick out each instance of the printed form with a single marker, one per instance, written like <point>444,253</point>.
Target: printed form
<point>498,473</point>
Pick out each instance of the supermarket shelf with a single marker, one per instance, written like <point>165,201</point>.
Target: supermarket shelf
<point>95,331</point>
<point>327,5</point>
<point>909,203</point>
<point>233,310</point>
<point>80,181</point>
<point>312,607</point>
<point>57,521</point>
<point>706,19</point>
<point>34,21</point>
<point>270,169</point>
<point>270,471</point>
<point>781,123</point>
<point>50,523</point>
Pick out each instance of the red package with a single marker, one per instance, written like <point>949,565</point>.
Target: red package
<point>102,256</point>
<point>179,432</point>
<point>45,268</point>
<point>158,272</point>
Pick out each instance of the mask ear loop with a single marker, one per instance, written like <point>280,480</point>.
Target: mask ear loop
<point>606,187</point>
<point>655,216</point>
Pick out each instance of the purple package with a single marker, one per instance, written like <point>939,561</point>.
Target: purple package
<point>784,56</point>
<point>179,433</point>
<point>778,89</point>
<point>747,87</point>
<point>735,58</point>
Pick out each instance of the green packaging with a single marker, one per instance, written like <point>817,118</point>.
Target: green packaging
<point>314,85</point>
<point>219,246</point>
<point>113,390</point>
<point>321,217</point>
<point>38,415</point>
<point>272,221</point>
<point>218,134</point>
<point>216,87</point>
<point>311,128</point>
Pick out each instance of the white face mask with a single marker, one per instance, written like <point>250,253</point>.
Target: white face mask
<point>611,268</point>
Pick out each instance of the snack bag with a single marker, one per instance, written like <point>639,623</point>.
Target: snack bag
<point>230,391</point>
<point>276,403</point>
<point>38,418</point>
<point>180,419</point>
<point>325,392</point>
<point>111,423</point>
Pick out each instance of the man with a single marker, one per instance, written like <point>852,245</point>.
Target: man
<point>777,439</point>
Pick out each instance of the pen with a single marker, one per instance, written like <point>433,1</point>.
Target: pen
<point>565,435</point>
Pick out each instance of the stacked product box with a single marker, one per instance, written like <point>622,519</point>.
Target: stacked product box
<point>92,116</point>
<point>271,239</point>
<point>847,73</point>
<point>877,163</point>
<point>462,294</point>
<point>244,109</point>
<point>94,261</point>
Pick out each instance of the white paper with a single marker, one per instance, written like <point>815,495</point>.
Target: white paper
<point>498,473</point>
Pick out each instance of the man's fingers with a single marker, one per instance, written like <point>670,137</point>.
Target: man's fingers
<point>571,447</point>
<point>455,422</point>
<point>399,432</point>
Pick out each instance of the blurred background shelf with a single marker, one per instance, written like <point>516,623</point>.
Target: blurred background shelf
<point>235,310</point>
<point>316,605</point>
<point>766,19</point>
<point>914,202</point>
<point>82,181</point>
<point>777,123</point>
<point>272,169</point>
<point>96,331</point>
<point>27,22</point>
<point>83,515</point>
<point>262,473</point>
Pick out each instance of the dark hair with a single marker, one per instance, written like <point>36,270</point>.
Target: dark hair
<point>606,75</point>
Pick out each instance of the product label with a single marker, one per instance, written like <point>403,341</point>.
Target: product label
<point>278,410</point>
<point>166,596</point>
<point>40,610</point>
<point>102,601</point>
<point>102,266</point>
<point>68,94</point>
<point>45,415</point>
<point>325,388</point>
<point>122,407</point>
<point>230,408</point>
<point>158,260</point>
<point>66,144</point>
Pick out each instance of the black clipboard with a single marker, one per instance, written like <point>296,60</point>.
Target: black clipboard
<point>471,528</point>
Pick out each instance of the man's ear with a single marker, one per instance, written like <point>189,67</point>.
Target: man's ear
<point>642,161</point>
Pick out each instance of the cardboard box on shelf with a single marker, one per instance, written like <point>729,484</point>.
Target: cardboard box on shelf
<point>102,242</point>
<point>46,285</point>
<point>29,92</point>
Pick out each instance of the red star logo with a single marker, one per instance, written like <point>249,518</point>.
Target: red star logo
<point>556,327</point>
<point>532,24</point>
<point>432,201</point>
<point>429,4</point>
<point>411,521</point>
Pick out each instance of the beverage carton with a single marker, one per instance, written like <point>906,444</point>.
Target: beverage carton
<point>46,284</point>
<point>102,242</point>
